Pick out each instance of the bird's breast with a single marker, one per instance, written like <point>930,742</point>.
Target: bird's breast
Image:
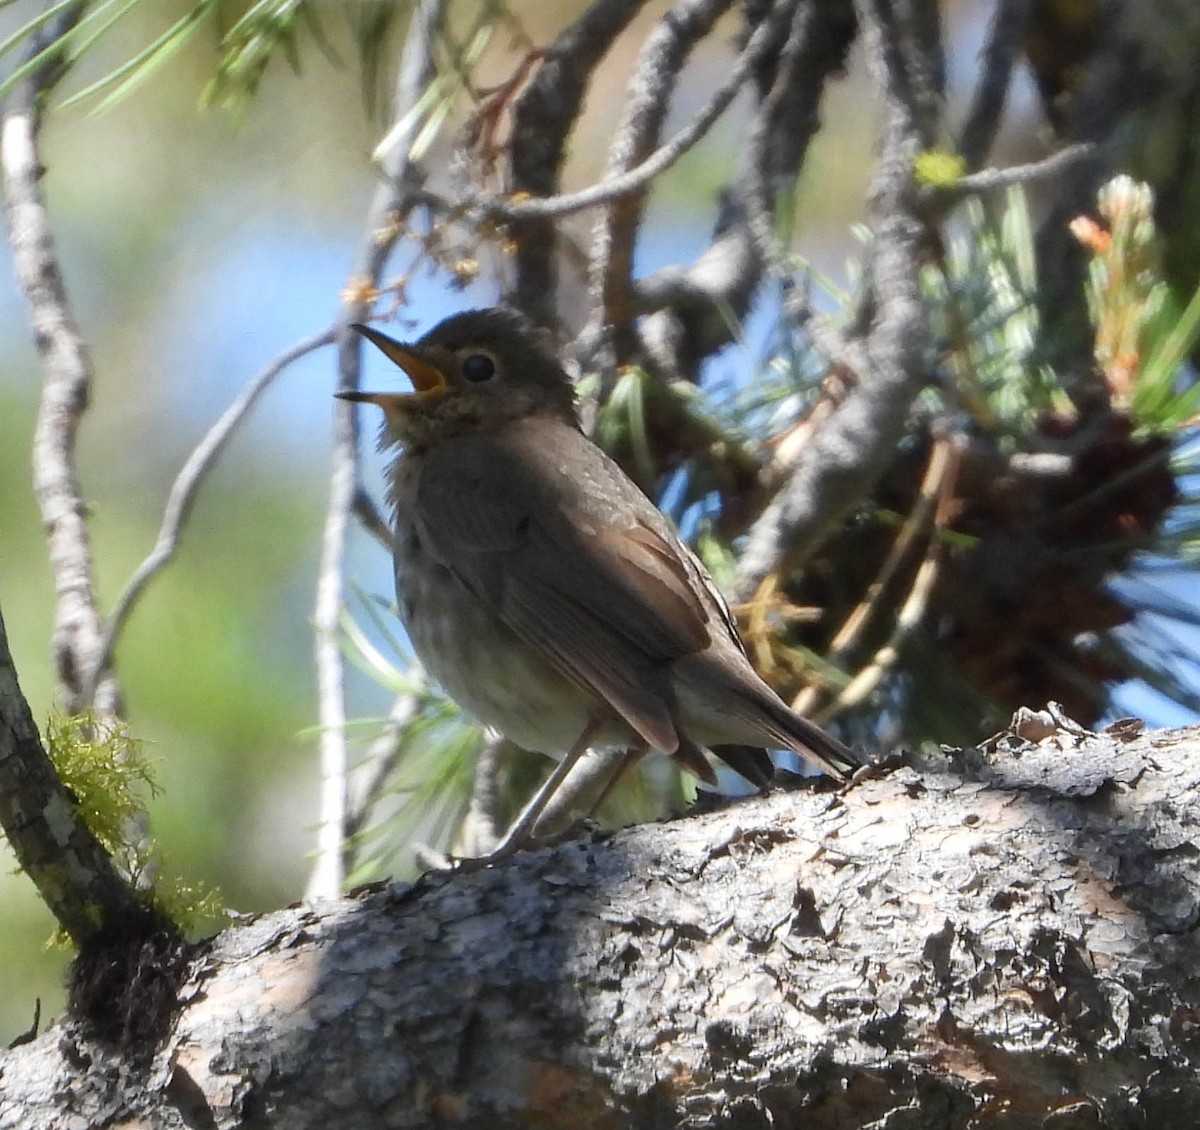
<point>478,660</point>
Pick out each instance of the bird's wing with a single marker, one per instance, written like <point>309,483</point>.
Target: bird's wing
<point>585,570</point>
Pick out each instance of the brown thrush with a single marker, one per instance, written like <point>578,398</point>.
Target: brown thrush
<point>542,589</point>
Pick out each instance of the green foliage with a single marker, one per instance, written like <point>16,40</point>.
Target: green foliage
<point>621,423</point>
<point>88,26</point>
<point>425,797</point>
<point>1142,338</point>
<point>984,321</point>
<point>264,30</point>
<point>269,28</point>
<point>247,44</point>
<point>987,329</point>
<point>148,62</point>
<point>106,771</point>
<point>990,339</point>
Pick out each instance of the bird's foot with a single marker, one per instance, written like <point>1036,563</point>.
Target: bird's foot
<point>510,845</point>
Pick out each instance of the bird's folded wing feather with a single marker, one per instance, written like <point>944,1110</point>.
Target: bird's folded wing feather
<point>597,588</point>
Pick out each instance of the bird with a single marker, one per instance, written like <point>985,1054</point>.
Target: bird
<point>541,588</point>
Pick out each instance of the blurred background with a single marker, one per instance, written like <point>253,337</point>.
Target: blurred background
<point>197,245</point>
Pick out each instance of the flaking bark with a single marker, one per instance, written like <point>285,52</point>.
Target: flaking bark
<point>982,940</point>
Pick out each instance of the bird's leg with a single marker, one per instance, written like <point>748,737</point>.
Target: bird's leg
<point>631,757</point>
<point>518,835</point>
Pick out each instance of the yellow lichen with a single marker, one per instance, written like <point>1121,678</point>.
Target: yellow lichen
<point>107,774</point>
<point>936,168</point>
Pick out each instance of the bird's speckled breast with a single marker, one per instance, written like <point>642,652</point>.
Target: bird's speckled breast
<point>478,660</point>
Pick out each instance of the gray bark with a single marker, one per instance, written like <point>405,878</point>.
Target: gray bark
<point>1004,939</point>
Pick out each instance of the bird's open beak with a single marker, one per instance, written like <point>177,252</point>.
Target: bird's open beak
<point>424,376</point>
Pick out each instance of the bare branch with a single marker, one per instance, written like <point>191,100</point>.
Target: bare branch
<point>371,519</point>
<point>663,55</point>
<point>693,307</point>
<point>392,203</point>
<point>768,175</point>
<point>1010,18</point>
<point>989,180</point>
<point>76,642</point>
<point>912,609</point>
<point>381,760</point>
<point>837,468</point>
<point>1004,936</point>
<point>187,484</point>
<point>929,515</point>
<point>912,30</point>
<point>481,828</point>
<point>545,115</point>
<point>637,178</point>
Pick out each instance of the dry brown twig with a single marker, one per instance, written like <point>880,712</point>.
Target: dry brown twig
<point>930,512</point>
<point>912,610</point>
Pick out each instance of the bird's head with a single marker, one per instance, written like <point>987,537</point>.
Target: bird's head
<point>472,372</point>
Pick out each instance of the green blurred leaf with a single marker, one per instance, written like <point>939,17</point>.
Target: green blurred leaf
<point>143,66</point>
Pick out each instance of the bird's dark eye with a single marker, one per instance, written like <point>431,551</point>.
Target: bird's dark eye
<point>478,367</point>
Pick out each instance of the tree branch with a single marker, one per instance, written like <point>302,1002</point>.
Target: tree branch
<point>544,116</point>
<point>990,180</point>
<point>663,55</point>
<point>836,469</point>
<point>78,632</point>
<point>1006,36</point>
<point>74,875</point>
<point>187,484</point>
<point>637,178</point>
<point>1004,935</point>
<point>690,311</point>
<point>379,764</point>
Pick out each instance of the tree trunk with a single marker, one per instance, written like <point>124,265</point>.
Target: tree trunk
<point>1001,939</point>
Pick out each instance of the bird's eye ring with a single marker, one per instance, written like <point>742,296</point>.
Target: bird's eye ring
<point>477,367</point>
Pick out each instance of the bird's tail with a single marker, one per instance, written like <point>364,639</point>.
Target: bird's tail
<point>749,761</point>
<point>806,739</point>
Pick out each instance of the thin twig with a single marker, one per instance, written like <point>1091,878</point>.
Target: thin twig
<point>637,178</point>
<point>78,879</point>
<point>662,57</point>
<point>78,629</point>
<point>380,762</point>
<point>913,30</point>
<point>187,484</point>
<point>939,471</point>
<point>912,610</point>
<point>392,202</point>
<point>543,119</point>
<point>481,827</point>
<point>696,311</point>
<point>763,183</point>
<point>371,519</point>
<point>989,180</point>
